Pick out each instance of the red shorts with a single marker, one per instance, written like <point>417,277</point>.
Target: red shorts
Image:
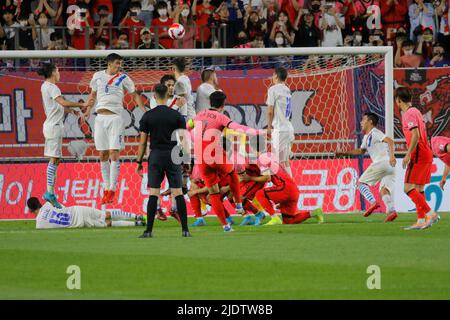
<point>249,189</point>
<point>211,173</point>
<point>418,173</point>
<point>286,195</point>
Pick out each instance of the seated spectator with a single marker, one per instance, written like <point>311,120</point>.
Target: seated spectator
<point>307,35</point>
<point>253,23</point>
<point>421,15</point>
<point>161,24</point>
<point>183,16</point>
<point>146,39</point>
<point>103,26</point>
<point>332,23</point>
<point>80,39</point>
<point>439,58</point>
<point>284,25</point>
<point>27,32</point>
<point>122,41</point>
<point>202,13</point>
<point>133,25</point>
<point>409,59</point>
<point>43,32</point>
<point>9,27</point>
<point>393,13</point>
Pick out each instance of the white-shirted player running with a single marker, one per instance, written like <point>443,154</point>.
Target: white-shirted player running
<point>179,67</point>
<point>208,86</point>
<point>50,217</point>
<point>279,113</point>
<point>55,107</point>
<point>382,169</point>
<point>108,87</point>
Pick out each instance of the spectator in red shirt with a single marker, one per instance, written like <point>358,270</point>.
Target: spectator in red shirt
<point>291,7</point>
<point>393,13</point>
<point>202,13</point>
<point>82,29</point>
<point>103,27</point>
<point>161,25</point>
<point>409,59</point>
<point>133,25</point>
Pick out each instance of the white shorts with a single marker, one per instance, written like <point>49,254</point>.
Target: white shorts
<point>109,132</point>
<point>381,172</point>
<point>53,141</point>
<point>87,217</point>
<point>282,144</point>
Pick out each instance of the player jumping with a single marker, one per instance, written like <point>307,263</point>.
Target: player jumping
<point>179,67</point>
<point>441,148</point>
<point>382,169</point>
<point>107,87</point>
<point>49,217</point>
<point>55,107</point>
<point>418,159</point>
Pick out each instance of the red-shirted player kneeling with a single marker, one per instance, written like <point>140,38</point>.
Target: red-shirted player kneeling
<point>441,148</point>
<point>284,192</point>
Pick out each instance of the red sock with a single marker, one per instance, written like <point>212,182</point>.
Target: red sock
<point>420,202</point>
<point>264,202</point>
<point>249,206</point>
<point>217,205</point>
<point>196,207</point>
<point>235,187</point>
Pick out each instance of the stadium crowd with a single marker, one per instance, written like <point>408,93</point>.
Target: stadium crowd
<point>418,29</point>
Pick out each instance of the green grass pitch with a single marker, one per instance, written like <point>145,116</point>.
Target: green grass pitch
<point>306,261</point>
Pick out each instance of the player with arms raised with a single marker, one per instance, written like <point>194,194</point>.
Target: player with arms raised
<point>107,87</point>
<point>55,106</point>
<point>441,148</point>
<point>382,169</point>
<point>418,159</point>
<point>279,113</point>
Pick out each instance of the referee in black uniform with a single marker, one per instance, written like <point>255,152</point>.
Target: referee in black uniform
<point>160,124</point>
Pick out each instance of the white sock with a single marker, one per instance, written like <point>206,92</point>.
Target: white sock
<point>118,214</point>
<point>365,191</point>
<point>420,221</point>
<point>115,171</point>
<point>105,167</point>
<point>51,177</point>
<point>387,199</point>
<point>123,223</point>
<point>288,169</point>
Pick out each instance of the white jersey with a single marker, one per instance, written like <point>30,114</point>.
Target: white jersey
<point>187,110</point>
<point>110,90</point>
<point>279,96</point>
<point>53,110</point>
<point>203,93</point>
<point>373,143</point>
<point>170,103</point>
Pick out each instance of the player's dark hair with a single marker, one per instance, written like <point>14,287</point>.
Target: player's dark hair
<point>281,73</point>
<point>113,57</point>
<point>372,117</point>
<point>46,70</point>
<point>404,94</point>
<point>206,74</point>
<point>217,99</point>
<point>179,63</point>
<point>407,43</point>
<point>161,91</point>
<point>166,78</point>
<point>33,204</point>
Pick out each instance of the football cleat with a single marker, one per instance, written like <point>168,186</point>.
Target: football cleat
<point>391,217</point>
<point>186,234</point>
<point>227,228</point>
<point>431,219</point>
<point>239,209</point>
<point>51,197</point>
<point>416,226</point>
<point>160,215</point>
<point>174,214</point>
<point>371,209</point>
<point>105,197</point>
<point>146,234</point>
<point>274,221</point>
<point>110,197</point>
<point>199,222</point>
<point>318,213</point>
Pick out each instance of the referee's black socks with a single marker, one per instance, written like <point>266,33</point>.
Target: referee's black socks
<point>182,212</point>
<point>152,205</point>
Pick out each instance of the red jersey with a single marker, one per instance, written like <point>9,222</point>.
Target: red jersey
<point>279,176</point>
<point>79,35</point>
<point>412,119</point>
<point>163,26</point>
<point>439,146</point>
<point>203,13</point>
<point>134,28</point>
<point>252,170</point>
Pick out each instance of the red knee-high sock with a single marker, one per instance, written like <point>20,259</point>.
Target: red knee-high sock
<point>235,187</point>
<point>196,207</point>
<point>299,217</point>
<point>249,206</point>
<point>264,202</point>
<point>217,205</point>
<point>420,202</point>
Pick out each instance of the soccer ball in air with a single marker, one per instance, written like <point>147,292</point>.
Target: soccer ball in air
<point>176,31</point>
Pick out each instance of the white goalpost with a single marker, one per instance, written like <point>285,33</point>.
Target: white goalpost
<point>331,88</point>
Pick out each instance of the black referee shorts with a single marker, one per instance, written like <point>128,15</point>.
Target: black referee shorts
<point>160,164</point>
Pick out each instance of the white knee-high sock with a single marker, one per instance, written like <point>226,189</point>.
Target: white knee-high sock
<point>387,199</point>
<point>118,214</point>
<point>115,171</point>
<point>51,177</point>
<point>105,167</point>
<point>365,191</point>
<point>123,223</point>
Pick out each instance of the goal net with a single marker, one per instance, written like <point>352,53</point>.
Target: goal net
<point>331,89</point>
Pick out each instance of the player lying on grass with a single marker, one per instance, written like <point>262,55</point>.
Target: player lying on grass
<point>418,159</point>
<point>382,169</point>
<point>49,217</point>
<point>55,107</point>
<point>441,148</point>
<point>284,191</point>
